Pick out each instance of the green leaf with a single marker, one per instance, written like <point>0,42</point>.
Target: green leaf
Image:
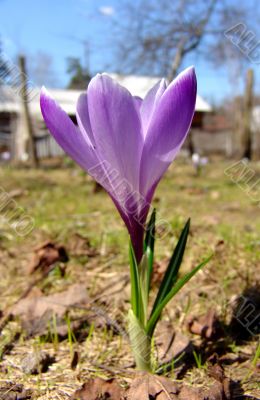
<point>171,273</point>
<point>149,248</point>
<point>149,238</point>
<point>178,285</point>
<point>144,292</point>
<point>135,282</point>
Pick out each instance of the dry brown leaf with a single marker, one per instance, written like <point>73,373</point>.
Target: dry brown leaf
<point>207,326</point>
<point>170,344</point>
<point>216,372</point>
<point>46,255</point>
<point>59,303</point>
<point>159,270</point>
<point>188,393</point>
<point>37,310</point>
<point>81,246</point>
<point>215,392</point>
<point>99,389</point>
<point>13,391</point>
<point>146,386</point>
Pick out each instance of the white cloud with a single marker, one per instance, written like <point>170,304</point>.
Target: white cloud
<point>107,10</point>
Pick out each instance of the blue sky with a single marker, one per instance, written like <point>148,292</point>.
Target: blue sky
<point>52,27</point>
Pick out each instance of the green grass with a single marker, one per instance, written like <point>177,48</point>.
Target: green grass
<point>224,221</point>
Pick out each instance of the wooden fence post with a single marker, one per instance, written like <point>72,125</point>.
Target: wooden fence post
<point>25,100</point>
<point>247,116</point>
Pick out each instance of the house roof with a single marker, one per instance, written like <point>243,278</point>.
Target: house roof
<point>137,85</point>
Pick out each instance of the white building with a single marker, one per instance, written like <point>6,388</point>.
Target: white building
<point>13,132</point>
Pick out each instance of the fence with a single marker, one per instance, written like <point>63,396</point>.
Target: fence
<point>47,147</point>
<point>4,139</point>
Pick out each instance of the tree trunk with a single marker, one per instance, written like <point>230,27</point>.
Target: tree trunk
<point>25,99</point>
<point>177,60</point>
<point>247,116</point>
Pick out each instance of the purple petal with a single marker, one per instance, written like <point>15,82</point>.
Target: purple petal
<point>68,136</point>
<point>138,101</point>
<point>150,103</point>
<point>82,115</point>
<point>167,129</point>
<point>117,133</point>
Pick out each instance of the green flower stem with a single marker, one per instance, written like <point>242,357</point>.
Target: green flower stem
<point>140,326</point>
<point>140,343</point>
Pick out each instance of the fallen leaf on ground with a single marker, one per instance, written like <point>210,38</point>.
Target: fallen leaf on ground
<point>219,390</point>
<point>13,391</point>
<point>99,389</point>
<point>170,344</point>
<point>36,311</point>
<point>207,326</point>
<point>81,246</point>
<point>159,270</point>
<point>59,303</point>
<point>46,255</point>
<point>189,393</point>
<point>146,386</point>
<point>214,393</point>
<point>216,371</point>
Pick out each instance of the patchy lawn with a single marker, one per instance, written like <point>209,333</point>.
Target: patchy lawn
<point>76,260</point>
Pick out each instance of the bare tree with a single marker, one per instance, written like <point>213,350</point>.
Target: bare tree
<point>41,71</point>
<point>155,37</point>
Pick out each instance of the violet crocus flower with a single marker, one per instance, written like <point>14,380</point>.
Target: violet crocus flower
<point>124,142</point>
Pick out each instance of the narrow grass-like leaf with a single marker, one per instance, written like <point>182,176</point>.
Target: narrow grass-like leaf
<point>178,285</point>
<point>171,273</point>
<point>145,269</point>
<point>150,231</point>
<point>149,248</point>
<point>144,292</point>
<point>135,282</point>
